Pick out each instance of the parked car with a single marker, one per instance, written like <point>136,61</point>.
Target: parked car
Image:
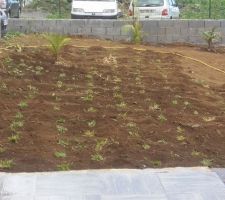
<point>11,7</point>
<point>154,9</point>
<point>106,9</point>
<point>4,22</point>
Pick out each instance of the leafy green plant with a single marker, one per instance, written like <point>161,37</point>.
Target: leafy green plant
<point>15,125</point>
<point>210,37</point>
<point>23,104</point>
<point>207,162</point>
<point>97,157</point>
<point>60,154</point>
<point>6,164</point>
<point>100,145</point>
<point>135,30</point>
<point>2,149</point>
<point>162,118</point>
<point>89,133</point>
<point>14,138</point>
<point>63,143</point>
<point>64,166</point>
<point>146,146</point>
<point>91,110</point>
<point>91,123</point>
<point>61,129</point>
<point>57,42</point>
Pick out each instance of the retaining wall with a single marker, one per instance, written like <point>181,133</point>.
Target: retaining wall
<point>155,31</point>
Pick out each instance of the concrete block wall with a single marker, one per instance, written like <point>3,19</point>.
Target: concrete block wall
<point>155,31</point>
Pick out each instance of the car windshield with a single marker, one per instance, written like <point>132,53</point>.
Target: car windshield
<point>149,3</point>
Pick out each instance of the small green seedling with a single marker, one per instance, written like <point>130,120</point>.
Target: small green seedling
<point>6,164</point>
<point>92,123</point>
<point>61,129</point>
<point>162,118</point>
<point>207,162</point>
<point>97,157</point>
<point>14,138</point>
<point>63,143</point>
<point>89,133</point>
<point>23,104</point>
<point>64,167</point>
<point>146,146</point>
<point>60,154</point>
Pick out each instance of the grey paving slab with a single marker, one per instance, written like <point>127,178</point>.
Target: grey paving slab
<point>148,184</point>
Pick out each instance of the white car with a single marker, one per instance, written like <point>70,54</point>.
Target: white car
<point>97,9</point>
<point>154,9</point>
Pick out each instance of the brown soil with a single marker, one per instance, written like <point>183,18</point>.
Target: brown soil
<point>149,109</point>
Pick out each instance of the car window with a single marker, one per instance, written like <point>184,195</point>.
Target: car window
<point>149,3</point>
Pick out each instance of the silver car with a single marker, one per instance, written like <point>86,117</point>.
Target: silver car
<point>154,9</point>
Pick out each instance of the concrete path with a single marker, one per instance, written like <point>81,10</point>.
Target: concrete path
<point>148,184</point>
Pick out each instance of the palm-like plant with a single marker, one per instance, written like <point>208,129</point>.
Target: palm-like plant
<point>210,37</point>
<point>136,31</point>
<point>57,42</point>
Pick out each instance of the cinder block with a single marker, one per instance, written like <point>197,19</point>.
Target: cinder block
<point>182,23</point>
<point>162,31</point>
<point>222,23</point>
<point>121,38</point>
<point>106,37</point>
<point>150,27</point>
<point>98,30</point>
<point>150,39</point>
<point>99,23</point>
<point>165,39</point>
<point>172,30</point>
<point>196,23</point>
<point>209,24</point>
<point>196,31</point>
<point>84,31</point>
<point>121,23</point>
<point>167,23</point>
<point>37,26</point>
<point>113,31</point>
<point>18,25</point>
<point>196,40</point>
<point>78,22</point>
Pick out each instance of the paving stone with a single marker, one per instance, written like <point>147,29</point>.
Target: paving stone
<point>148,184</point>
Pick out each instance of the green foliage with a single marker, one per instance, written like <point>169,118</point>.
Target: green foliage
<point>57,42</point>
<point>136,32</point>
<point>210,37</point>
<point>58,9</point>
<point>6,164</point>
<point>10,35</point>
<point>199,9</point>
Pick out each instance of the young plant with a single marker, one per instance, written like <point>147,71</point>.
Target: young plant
<point>60,154</point>
<point>135,30</point>
<point>6,164</point>
<point>97,157</point>
<point>61,129</point>
<point>23,104</point>
<point>14,138</point>
<point>57,42</point>
<point>64,166</point>
<point>92,123</point>
<point>210,37</point>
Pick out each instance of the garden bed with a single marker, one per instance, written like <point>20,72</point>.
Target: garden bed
<point>109,108</point>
